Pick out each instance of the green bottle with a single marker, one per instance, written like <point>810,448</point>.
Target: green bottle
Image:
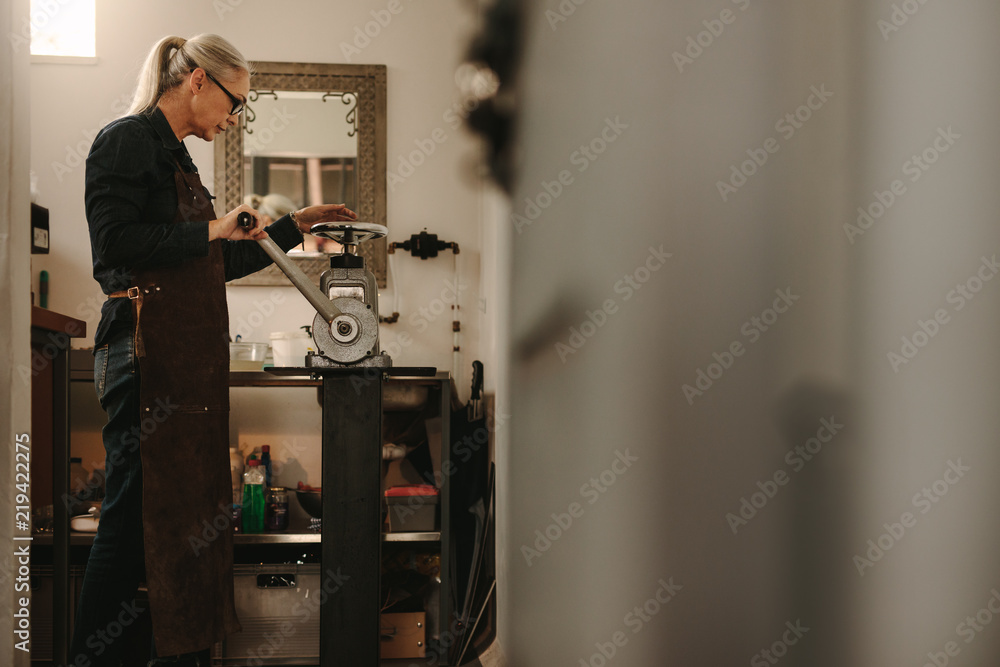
<point>253,498</point>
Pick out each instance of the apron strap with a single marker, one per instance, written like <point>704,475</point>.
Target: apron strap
<point>135,294</point>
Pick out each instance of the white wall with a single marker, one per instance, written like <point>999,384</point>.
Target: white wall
<point>421,45</point>
<point>621,390</point>
<point>941,406</point>
<point>299,114</point>
<point>15,336</point>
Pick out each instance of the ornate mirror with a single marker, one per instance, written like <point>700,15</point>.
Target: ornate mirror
<point>312,133</point>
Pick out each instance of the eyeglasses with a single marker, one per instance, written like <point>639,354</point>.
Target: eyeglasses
<point>238,104</point>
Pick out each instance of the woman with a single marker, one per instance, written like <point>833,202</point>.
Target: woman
<point>161,355</point>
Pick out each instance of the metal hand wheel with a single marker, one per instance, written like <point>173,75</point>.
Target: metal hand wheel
<point>349,234</point>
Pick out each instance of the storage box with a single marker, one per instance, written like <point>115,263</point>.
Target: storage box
<point>279,608</point>
<point>412,508</point>
<point>403,636</point>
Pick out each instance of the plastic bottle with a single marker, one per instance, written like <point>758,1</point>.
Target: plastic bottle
<point>265,460</point>
<point>253,498</point>
<point>236,472</point>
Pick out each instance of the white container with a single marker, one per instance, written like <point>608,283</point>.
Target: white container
<point>290,347</point>
<point>247,356</point>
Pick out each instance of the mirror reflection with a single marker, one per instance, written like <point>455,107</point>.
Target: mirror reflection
<point>288,164</point>
<point>312,132</point>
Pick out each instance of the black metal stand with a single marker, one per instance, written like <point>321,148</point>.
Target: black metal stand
<point>352,509</point>
<point>352,517</point>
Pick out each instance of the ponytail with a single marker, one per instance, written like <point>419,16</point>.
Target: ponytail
<point>172,59</point>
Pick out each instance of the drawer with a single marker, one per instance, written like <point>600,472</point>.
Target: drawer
<point>278,607</point>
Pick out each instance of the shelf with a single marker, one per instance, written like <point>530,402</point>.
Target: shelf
<point>82,370</point>
<point>86,539</point>
<point>75,539</point>
<point>411,537</point>
<point>276,538</point>
<point>49,320</point>
<point>316,538</point>
<point>265,379</point>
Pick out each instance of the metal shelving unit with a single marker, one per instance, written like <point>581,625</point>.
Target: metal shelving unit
<point>439,384</point>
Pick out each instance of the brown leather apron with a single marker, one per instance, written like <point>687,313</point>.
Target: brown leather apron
<point>182,347</point>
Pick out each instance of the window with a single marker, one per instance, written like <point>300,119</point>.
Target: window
<point>63,28</point>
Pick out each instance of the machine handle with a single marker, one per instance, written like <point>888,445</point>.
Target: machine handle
<point>313,295</point>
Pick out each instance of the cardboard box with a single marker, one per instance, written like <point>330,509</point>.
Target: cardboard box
<point>412,508</point>
<point>403,636</point>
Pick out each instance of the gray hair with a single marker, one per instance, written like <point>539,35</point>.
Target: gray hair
<point>173,58</point>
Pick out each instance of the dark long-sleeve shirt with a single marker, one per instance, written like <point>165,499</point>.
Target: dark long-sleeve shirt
<point>131,203</point>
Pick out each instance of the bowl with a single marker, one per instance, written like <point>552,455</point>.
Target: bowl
<point>311,501</point>
<point>247,356</point>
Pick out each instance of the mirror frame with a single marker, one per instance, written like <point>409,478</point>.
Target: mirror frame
<point>367,82</point>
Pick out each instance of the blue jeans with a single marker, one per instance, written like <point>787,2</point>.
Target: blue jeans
<point>107,604</point>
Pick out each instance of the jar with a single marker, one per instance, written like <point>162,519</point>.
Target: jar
<point>276,510</point>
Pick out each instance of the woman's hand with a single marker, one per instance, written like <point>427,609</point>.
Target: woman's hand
<point>311,215</point>
<point>227,227</point>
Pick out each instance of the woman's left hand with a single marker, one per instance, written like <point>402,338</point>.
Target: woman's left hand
<point>311,215</point>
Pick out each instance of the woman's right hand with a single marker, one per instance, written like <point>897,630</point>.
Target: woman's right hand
<point>227,227</point>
